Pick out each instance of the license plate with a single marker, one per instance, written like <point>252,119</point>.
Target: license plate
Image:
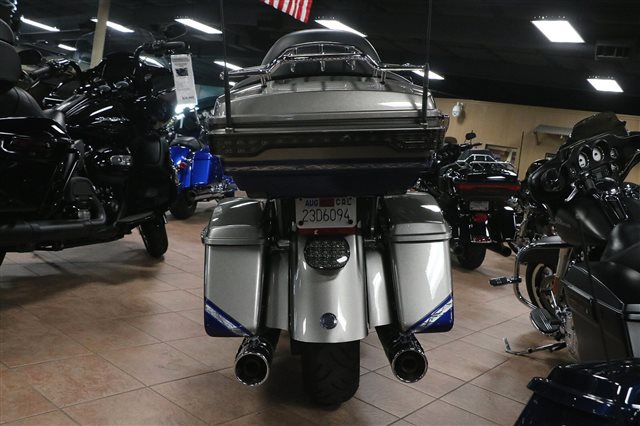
<point>479,206</point>
<point>332,212</point>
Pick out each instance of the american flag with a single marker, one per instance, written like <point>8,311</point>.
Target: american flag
<point>299,9</point>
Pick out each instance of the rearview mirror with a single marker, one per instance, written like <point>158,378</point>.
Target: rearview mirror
<point>470,136</point>
<point>174,30</point>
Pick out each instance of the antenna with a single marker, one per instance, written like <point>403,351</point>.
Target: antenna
<point>425,80</point>
<point>227,95</point>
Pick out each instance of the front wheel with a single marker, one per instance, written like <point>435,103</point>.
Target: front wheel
<point>184,207</point>
<point>330,371</point>
<point>471,255</point>
<point>154,236</point>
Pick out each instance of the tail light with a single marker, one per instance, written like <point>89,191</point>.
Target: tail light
<point>479,217</point>
<point>26,144</point>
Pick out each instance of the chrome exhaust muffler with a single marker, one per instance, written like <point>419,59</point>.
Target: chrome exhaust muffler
<point>253,361</point>
<point>405,354</point>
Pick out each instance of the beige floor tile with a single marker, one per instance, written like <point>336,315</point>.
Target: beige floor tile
<point>12,271</point>
<point>390,395</point>
<point>74,380</point>
<point>183,281</point>
<point>402,422</point>
<point>18,398</point>
<point>352,412</point>
<point>157,363</point>
<point>510,379</point>
<point>213,397</point>
<point>434,383</point>
<point>486,404</point>
<point>433,340</point>
<point>168,326</point>
<point>108,335</point>
<point>54,418</point>
<point>177,300</point>
<point>216,352</point>
<point>36,344</point>
<point>140,407</point>
<point>439,413</point>
<point>195,315</point>
<point>269,416</point>
<point>463,360</point>
<point>371,357</point>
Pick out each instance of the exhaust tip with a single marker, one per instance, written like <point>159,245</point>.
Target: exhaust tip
<point>252,369</point>
<point>409,365</point>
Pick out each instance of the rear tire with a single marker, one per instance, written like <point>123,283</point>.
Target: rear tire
<point>184,207</point>
<point>2,254</point>
<point>472,255</point>
<point>154,236</point>
<point>330,371</point>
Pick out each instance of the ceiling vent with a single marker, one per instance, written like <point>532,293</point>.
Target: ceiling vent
<point>612,51</point>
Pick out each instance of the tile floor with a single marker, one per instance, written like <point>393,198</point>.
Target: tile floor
<point>104,335</point>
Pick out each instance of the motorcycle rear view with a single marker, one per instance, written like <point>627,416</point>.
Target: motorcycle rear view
<point>329,245</point>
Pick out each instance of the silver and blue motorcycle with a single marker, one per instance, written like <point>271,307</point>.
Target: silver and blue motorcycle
<point>326,140</point>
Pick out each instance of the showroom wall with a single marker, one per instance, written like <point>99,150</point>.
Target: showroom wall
<point>510,125</point>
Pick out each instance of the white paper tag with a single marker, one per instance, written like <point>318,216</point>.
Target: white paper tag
<point>183,80</point>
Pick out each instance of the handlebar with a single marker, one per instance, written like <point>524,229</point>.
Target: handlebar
<point>55,66</point>
<point>159,46</point>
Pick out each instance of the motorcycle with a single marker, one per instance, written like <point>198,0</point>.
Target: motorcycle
<point>199,171</point>
<point>475,191</point>
<point>329,243</point>
<point>92,169</point>
<point>588,286</point>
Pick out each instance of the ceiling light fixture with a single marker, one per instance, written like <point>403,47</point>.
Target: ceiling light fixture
<point>432,75</point>
<point>334,24</point>
<point>38,24</point>
<point>605,85</point>
<point>229,65</point>
<point>67,47</point>
<point>116,27</point>
<point>558,30</point>
<point>198,26</point>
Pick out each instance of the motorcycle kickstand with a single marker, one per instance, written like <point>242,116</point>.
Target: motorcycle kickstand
<point>551,347</point>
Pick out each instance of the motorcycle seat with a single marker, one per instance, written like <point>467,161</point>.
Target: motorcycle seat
<point>55,115</point>
<point>188,141</point>
<point>623,245</point>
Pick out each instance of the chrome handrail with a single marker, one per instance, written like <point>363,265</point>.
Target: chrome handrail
<point>291,57</point>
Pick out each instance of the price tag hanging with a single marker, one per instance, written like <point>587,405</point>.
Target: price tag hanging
<point>183,80</point>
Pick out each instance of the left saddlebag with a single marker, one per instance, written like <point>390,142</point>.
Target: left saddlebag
<point>234,268</point>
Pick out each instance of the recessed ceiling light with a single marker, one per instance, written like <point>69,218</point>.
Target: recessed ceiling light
<point>229,65</point>
<point>605,84</point>
<point>432,75</point>
<point>67,47</point>
<point>116,27</point>
<point>558,31</point>
<point>198,26</point>
<point>38,24</point>
<point>333,24</point>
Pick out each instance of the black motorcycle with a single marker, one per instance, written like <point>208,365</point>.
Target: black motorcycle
<point>589,297</point>
<point>92,169</point>
<point>475,192</point>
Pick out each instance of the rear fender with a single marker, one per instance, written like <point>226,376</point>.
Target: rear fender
<point>338,294</point>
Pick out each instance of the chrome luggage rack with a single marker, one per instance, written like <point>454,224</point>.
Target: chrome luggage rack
<point>293,56</point>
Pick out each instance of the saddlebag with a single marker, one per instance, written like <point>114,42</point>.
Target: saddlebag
<point>417,239</point>
<point>234,268</point>
<point>615,316</point>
